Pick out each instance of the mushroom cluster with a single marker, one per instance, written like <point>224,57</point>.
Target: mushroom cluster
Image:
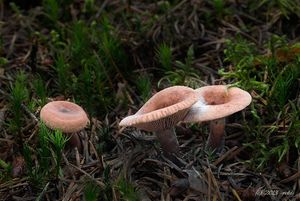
<point>66,116</point>
<point>177,104</point>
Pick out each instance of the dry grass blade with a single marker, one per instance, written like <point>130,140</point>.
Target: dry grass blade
<point>215,190</point>
<point>100,183</point>
<point>224,156</point>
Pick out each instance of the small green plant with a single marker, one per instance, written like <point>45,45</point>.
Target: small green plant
<point>284,84</point>
<point>143,84</point>
<point>294,126</point>
<point>88,61</point>
<point>107,193</point>
<point>52,9</point>
<point>184,74</point>
<point>243,55</point>
<point>56,41</point>
<point>261,158</point>
<point>27,153</point>
<point>43,150</point>
<point>39,171</point>
<point>40,90</point>
<point>85,86</point>
<point>19,95</point>
<point>62,69</point>
<point>106,141</point>
<point>273,78</point>
<point>3,164</point>
<point>58,141</point>
<point>281,149</point>
<point>110,50</point>
<point>211,154</point>
<point>80,44</point>
<point>97,59</point>
<point>15,8</point>
<point>5,173</point>
<point>164,6</point>
<point>286,7</point>
<point>89,6</point>
<point>3,61</point>
<point>91,191</point>
<point>219,6</point>
<point>164,56</point>
<point>127,190</point>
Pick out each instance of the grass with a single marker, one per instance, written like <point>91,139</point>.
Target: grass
<point>19,95</point>
<point>58,141</point>
<point>110,57</point>
<point>48,154</point>
<point>143,85</point>
<point>184,73</point>
<point>277,85</point>
<point>127,190</point>
<point>40,90</point>
<point>91,192</point>
<point>164,56</point>
<point>62,70</point>
<point>5,174</point>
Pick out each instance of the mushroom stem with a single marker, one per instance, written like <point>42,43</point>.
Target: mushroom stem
<point>168,140</point>
<point>75,141</point>
<point>216,137</point>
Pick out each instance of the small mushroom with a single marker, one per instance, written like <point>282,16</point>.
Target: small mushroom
<point>67,117</point>
<point>216,102</point>
<point>161,113</point>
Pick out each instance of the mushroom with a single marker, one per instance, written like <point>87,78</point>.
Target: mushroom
<point>161,113</point>
<point>215,103</point>
<point>67,117</point>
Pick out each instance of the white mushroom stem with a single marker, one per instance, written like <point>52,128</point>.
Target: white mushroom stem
<point>216,137</point>
<point>168,141</point>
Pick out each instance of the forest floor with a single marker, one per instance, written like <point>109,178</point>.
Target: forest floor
<point>110,57</point>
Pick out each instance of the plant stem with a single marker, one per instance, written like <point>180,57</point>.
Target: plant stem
<point>168,140</point>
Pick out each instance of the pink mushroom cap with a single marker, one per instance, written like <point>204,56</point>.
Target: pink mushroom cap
<point>66,116</point>
<point>163,110</point>
<point>217,101</point>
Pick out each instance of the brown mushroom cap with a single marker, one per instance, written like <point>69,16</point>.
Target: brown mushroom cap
<point>217,101</point>
<point>64,115</point>
<point>163,110</point>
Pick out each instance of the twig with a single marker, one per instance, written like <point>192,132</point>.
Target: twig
<point>100,183</point>
<point>219,160</point>
<point>29,112</point>
<point>101,9</point>
<point>68,165</point>
<point>43,192</point>
<point>70,191</point>
<point>236,195</point>
<point>291,178</point>
<point>214,181</point>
